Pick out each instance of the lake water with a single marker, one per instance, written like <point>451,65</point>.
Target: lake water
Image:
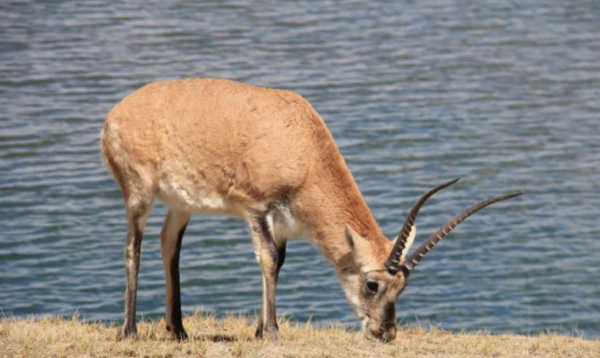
<point>505,94</point>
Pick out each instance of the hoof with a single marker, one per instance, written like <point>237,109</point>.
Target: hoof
<point>259,331</point>
<point>177,333</point>
<point>127,333</point>
<point>270,333</point>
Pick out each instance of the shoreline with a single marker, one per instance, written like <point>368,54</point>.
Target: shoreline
<point>233,336</point>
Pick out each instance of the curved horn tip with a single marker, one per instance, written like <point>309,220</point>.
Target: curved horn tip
<point>448,183</point>
<point>451,182</point>
<point>514,195</point>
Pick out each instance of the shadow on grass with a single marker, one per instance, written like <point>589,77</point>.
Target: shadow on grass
<point>216,338</point>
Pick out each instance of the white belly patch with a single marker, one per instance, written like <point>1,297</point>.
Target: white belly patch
<point>177,195</point>
<point>196,200</point>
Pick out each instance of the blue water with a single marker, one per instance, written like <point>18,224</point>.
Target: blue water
<point>504,94</point>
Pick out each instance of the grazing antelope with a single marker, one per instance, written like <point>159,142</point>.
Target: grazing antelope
<point>265,155</point>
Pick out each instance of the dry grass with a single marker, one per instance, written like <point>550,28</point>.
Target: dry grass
<point>233,337</point>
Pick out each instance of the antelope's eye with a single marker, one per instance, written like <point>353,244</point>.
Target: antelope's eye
<point>372,286</point>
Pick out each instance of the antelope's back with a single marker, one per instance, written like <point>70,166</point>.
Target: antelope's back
<point>234,139</point>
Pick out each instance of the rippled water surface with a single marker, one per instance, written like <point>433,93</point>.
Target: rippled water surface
<point>504,94</point>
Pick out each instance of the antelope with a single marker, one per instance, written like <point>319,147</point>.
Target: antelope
<point>265,155</point>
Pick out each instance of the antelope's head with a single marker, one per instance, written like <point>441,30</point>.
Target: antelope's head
<point>377,278</point>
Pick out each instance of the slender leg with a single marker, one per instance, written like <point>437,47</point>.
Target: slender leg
<point>170,243</point>
<point>270,254</point>
<point>137,215</point>
<point>281,257</point>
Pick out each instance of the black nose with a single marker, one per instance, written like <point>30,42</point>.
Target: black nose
<point>389,334</point>
<point>386,333</point>
<point>389,312</point>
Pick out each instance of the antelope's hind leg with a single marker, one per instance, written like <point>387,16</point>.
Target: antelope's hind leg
<point>270,254</point>
<point>137,214</point>
<point>171,236</point>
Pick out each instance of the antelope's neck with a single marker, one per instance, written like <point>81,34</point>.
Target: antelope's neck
<point>329,202</point>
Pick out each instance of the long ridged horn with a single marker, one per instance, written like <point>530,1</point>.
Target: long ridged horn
<point>392,264</point>
<point>433,240</point>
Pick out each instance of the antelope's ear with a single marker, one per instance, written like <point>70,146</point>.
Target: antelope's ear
<point>361,249</point>
<point>409,242</point>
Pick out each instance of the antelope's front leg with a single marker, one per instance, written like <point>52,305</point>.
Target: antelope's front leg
<point>270,254</point>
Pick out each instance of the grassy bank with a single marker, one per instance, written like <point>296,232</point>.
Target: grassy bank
<point>233,337</point>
